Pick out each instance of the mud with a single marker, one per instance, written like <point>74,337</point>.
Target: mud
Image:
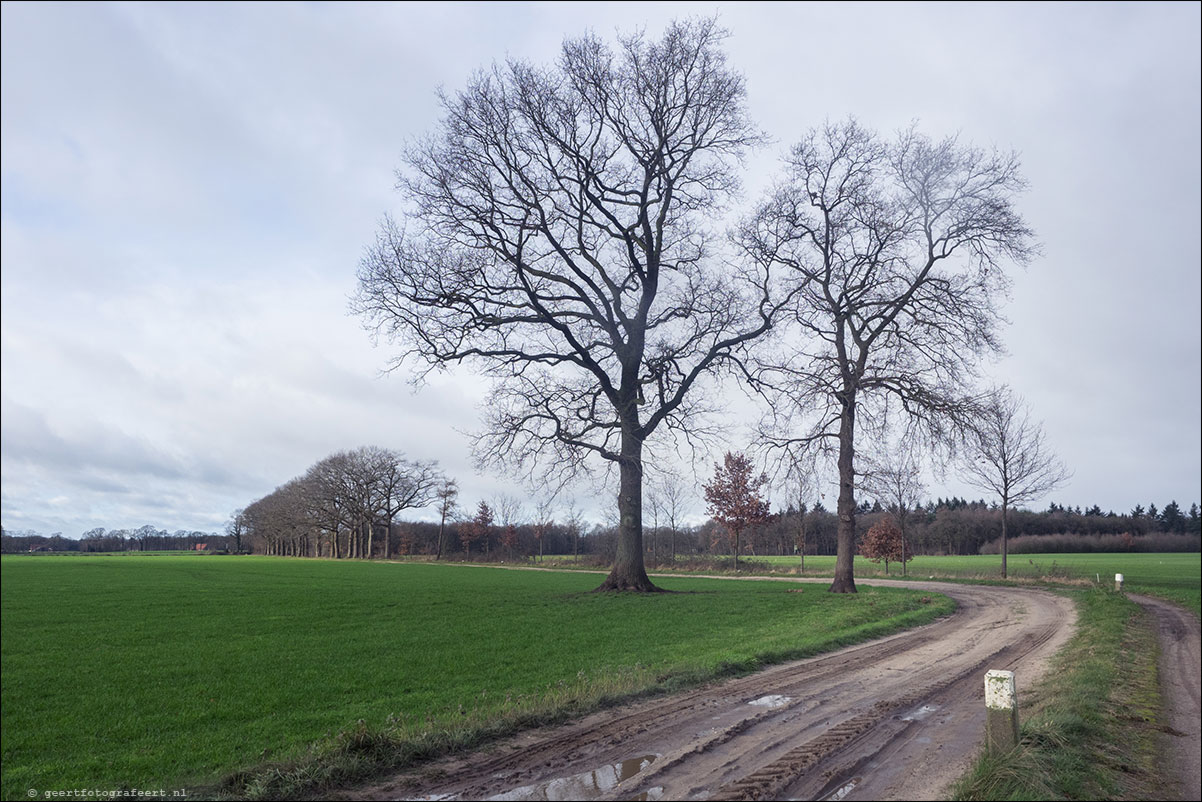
<point>1180,665</point>
<point>897,718</point>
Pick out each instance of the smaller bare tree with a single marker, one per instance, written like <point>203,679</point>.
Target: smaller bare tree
<point>544,519</point>
<point>1006,455</point>
<point>508,510</point>
<point>800,482</point>
<point>894,479</point>
<point>672,492</point>
<point>447,496</point>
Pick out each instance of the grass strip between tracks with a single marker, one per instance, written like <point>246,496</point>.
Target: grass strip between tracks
<point>1090,729</point>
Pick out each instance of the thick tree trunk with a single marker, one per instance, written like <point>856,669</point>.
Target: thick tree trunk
<point>844,573</point>
<point>629,571</point>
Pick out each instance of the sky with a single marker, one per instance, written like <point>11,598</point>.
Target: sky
<point>187,190</point>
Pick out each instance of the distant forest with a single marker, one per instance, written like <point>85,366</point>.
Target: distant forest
<point>943,526</point>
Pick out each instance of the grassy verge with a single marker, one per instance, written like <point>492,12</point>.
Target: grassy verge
<point>286,676</point>
<point>1176,577</point>
<point>1090,729</point>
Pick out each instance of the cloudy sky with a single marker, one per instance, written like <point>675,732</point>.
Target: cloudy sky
<point>188,189</point>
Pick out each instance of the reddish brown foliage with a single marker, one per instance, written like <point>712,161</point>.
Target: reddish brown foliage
<point>884,542</point>
<point>733,497</point>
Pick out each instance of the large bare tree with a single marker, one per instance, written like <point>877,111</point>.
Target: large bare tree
<point>1008,456</point>
<point>898,248</point>
<point>560,237</point>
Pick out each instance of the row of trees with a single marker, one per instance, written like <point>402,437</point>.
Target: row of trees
<point>345,505</point>
<point>943,526</point>
<point>144,538</point>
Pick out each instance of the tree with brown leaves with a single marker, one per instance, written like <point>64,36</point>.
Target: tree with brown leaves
<point>733,498</point>
<point>883,541</point>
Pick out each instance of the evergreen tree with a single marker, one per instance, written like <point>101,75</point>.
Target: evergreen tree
<point>1172,519</point>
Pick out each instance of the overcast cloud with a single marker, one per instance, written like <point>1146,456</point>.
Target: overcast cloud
<point>187,190</point>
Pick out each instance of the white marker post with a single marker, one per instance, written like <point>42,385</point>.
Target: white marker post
<point>1118,582</point>
<point>1001,711</point>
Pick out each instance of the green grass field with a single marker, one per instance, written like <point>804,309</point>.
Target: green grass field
<point>167,671</point>
<point>1176,577</point>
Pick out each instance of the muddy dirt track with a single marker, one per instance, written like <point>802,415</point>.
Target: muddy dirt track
<point>897,718</point>
<point>1180,658</point>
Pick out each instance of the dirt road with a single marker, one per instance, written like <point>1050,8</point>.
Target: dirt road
<point>1180,658</point>
<point>898,718</point>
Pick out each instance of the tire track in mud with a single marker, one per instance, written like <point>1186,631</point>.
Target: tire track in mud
<point>1180,664</point>
<point>899,717</point>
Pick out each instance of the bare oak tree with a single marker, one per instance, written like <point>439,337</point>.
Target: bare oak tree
<point>1007,456</point>
<point>898,250</point>
<point>560,237</point>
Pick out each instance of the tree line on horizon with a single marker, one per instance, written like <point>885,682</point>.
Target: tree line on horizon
<point>943,526</point>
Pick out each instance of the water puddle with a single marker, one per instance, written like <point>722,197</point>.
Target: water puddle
<point>920,713</point>
<point>843,790</point>
<point>586,785</point>
<point>774,700</point>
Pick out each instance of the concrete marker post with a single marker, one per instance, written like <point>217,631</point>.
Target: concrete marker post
<point>1001,711</point>
<point>1118,582</point>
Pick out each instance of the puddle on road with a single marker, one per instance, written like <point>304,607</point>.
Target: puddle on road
<point>920,713</point>
<point>843,790</point>
<point>586,785</point>
<point>773,700</point>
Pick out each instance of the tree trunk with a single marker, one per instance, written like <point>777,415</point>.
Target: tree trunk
<point>844,577</point>
<point>1005,505</point>
<point>629,572</point>
<point>442,526</point>
<point>802,530</point>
